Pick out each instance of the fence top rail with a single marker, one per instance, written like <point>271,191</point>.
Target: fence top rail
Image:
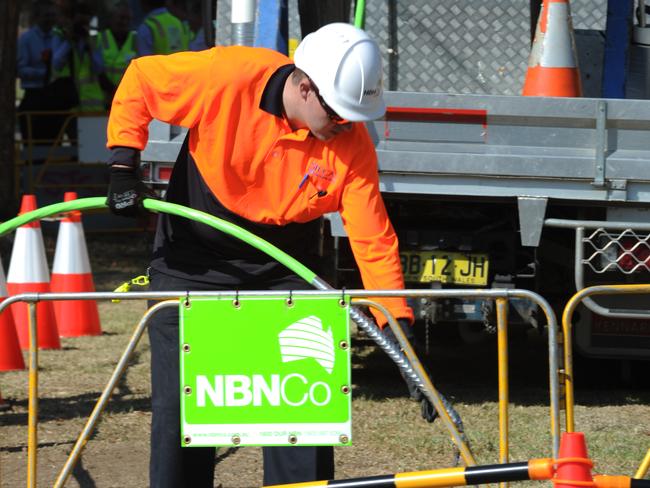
<point>596,224</point>
<point>354,293</point>
<point>630,289</point>
<point>232,294</point>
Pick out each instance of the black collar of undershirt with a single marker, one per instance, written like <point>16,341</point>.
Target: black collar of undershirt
<point>271,101</point>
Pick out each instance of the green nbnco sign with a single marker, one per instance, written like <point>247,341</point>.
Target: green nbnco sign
<point>265,371</point>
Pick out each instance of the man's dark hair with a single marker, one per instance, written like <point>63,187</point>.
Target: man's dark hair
<point>297,75</point>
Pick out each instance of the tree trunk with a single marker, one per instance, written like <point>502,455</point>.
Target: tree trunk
<point>9,11</point>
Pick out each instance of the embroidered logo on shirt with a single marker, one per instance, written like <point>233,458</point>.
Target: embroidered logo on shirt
<point>318,172</point>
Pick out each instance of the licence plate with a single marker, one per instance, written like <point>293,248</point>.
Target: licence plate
<point>445,267</point>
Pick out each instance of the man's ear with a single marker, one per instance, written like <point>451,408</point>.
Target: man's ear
<point>304,87</point>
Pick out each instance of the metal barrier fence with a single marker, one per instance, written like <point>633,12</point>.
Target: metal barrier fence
<point>581,297</point>
<point>567,374</point>
<point>407,360</point>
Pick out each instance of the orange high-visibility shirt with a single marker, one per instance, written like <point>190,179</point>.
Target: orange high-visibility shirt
<point>252,161</point>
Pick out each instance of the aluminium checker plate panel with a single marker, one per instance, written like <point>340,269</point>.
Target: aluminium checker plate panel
<point>454,46</point>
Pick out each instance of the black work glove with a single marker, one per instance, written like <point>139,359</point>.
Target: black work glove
<point>426,409</point>
<point>126,192</point>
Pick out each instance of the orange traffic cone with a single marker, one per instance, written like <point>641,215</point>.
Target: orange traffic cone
<point>573,465</point>
<point>28,273</point>
<point>10,356</point>
<point>553,62</point>
<point>71,274</point>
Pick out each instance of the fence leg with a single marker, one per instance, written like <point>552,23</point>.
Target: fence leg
<point>32,415</point>
<point>504,394</point>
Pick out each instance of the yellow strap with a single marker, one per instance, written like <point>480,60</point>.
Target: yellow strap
<point>142,280</point>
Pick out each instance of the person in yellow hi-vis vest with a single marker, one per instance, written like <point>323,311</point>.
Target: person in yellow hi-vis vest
<point>72,56</point>
<point>191,15</point>
<point>115,48</point>
<point>161,32</point>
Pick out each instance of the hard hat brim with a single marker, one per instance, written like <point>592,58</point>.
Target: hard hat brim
<point>365,115</point>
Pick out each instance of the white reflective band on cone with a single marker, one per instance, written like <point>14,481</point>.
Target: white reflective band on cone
<point>556,50</point>
<point>28,262</point>
<point>71,255</point>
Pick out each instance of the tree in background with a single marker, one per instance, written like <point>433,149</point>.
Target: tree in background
<point>8,36</point>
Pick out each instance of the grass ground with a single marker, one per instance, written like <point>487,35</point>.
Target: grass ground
<point>389,436</point>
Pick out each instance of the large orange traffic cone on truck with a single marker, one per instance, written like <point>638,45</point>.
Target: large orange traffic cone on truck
<point>71,274</point>
<point>553,62</point>
<point>10,356</point>
<point>28,273</point>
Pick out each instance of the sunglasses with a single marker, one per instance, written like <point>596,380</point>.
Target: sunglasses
<point>331,114</point>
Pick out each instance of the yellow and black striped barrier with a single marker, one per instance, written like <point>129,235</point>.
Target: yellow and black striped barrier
<point>534,469</point>
<point>607,481</point>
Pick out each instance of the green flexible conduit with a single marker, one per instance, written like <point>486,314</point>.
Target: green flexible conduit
<point>305,273</point>
<point>173,209</point>
<point>360,14</point>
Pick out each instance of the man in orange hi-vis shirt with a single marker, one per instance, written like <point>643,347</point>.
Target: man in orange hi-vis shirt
<point>272,146</point>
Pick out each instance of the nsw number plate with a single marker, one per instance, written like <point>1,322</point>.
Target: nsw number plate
<point>445,267</point>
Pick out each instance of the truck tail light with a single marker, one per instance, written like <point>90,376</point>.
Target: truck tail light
<point>633,255</point>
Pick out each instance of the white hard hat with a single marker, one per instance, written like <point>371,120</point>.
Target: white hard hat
<point>345,65</point>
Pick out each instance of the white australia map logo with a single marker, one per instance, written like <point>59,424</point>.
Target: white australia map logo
<point>306,339</point>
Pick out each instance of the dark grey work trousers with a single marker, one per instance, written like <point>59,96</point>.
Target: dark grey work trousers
<point>172,466</point>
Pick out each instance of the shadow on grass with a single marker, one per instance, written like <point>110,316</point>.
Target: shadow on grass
<point>121,401</point>
<point>75,406</point>
<point>82,475</point>
<point>79,473</point>
<point>469,374</point>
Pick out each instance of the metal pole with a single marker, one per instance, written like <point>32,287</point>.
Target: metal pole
<point>502,345</point>
<point>553,357</point>
<point>106,394</point>
<point>243,22</point>
<point>596,224</point>
<point>32,415</point>
<point>568,361</point>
